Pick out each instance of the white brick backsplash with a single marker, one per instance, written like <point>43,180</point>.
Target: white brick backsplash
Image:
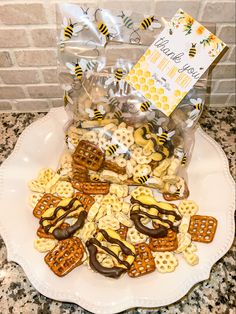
<point>5,59</point>
<point>232,54</point>
<point>225,86</point>
<point>13,38</point>
<point>5,105</point>
<point>20,76</point>
<point>28,52</point>
<point>50,75</point>
<point>169,8</point>
<point>27,58</point>
<point>227,33</point>
<point>32,105</point>
<point>223,70</point>
<point>44,37</point>
<point>11,92</point>
<point>218,11</point>
<point>232,99</point>
<point>57,102</point>
<point>22,14</point>
<point>45,91</point>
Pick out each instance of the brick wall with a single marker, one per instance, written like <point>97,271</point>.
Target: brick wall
<point>28,52</point>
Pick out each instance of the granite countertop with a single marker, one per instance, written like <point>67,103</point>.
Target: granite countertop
<point>215,295</point>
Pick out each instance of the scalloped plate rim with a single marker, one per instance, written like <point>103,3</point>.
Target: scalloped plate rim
<point>131,302</point>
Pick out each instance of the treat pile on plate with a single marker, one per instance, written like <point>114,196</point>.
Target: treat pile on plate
<point>111,228</point>
<point>123,154</point>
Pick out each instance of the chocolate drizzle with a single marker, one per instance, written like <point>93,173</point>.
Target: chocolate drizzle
<point>61,234</point>
<point>123,247</point>
<point>68,209</point>
<point>161,231</point>
<point>160,210</point>
<point>114,272</point>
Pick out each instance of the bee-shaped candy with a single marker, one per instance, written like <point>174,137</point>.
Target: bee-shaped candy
<point>75,69</point>
<point>192,51</point>
<point>177,193</point>
<point>143,179</point>
<point>116,148</point>
<point>145,106</point>
<point>149,23</point>
<point>96,114</point>
<point>179,153</point>
<point>184,159</point>
<point>164,136</point>
<point>112,149</point>
<point>70,29</point>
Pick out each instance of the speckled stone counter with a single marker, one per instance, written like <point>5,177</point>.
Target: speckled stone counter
<point>215,295</point>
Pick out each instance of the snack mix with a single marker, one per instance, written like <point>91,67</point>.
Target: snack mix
<point>111,228</point>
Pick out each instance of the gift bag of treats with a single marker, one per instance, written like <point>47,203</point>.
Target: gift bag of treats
<point>121,132</point>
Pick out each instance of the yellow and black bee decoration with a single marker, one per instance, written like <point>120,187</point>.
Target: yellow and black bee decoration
<point>149,23</point>
<point>198,106</point>
<point>103,29</point>
<point>143,179</point>
<point>192,51</point>
<point>163,137</point>
<point>184,159</point>
<point>145,106</point>
<point>112,149</point>
<point>66,98</point>
<point>97,113</point>
<point>70,29</point>
<point>177,193</point>
<point>118,115</point>
<point>75,69</point>
<point>119,74</point>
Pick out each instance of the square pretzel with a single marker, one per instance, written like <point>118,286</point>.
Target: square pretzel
<point>202,228</point>
<point>122,231</point>
<point>86,200</point>
<point>168,243</point>
<point>144,262</point>
<point>88,155</point>
<point>65,256</point>
<point>95,187</point>
<point>48,200</point>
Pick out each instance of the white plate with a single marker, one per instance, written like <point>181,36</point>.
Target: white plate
<point>39,146</point>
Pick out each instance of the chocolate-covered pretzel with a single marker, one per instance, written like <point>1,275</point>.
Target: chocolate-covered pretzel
<point>124,247</point>
<point>137,214</point>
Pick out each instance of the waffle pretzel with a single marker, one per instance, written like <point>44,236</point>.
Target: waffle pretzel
<point>94,187</point>
<point>167,243</point>
<point>48,200</point>
<point>42,234</point>
<point>143,263</point>
<point>112,166</point>
<point>86,200</point>
<point>202,228</point>
<point>53,217</point>
<point>122,231</point>
<point>80,173</point>
<point>88,155</point>
<point>65,256</point>
<point>117,248</point>
<point>163,216</point>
